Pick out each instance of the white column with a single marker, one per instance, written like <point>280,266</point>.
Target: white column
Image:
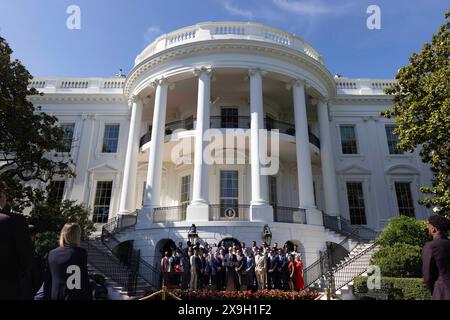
<point>260,209</point>
<point>130,168</point>
<point>326,155</point>
<point>198,210</point>
<point>153,184</point>
<point>304,170</point>
<point>256,124</point>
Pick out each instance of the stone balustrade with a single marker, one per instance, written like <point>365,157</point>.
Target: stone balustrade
<point>362,86</point>
<point>228,30</point>
<point>85,85</point>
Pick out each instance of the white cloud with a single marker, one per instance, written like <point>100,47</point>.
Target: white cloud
<point>312,8</point>
<point>152,33</point>
<point>229,6</point>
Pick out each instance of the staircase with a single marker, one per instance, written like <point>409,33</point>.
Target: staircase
<point>339,271</point>
<point>118,276</point>
<point>128,280</point>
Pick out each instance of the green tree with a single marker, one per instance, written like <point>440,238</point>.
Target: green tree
<point>28,138</point>
<point>421,107</point>
<point>404,229</point>
<point>400,260</point>
<point>50,216</point>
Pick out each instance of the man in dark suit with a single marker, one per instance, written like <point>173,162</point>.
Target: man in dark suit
<point>272,270</point>
<point>16,250</point>
<point>229,262</point>
<point>283,272</point>
<point>436,258</point>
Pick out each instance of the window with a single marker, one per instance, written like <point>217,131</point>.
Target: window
<point>67,137</point>
<point>229,192</point>
<point>102,201</point>
<point>273,191</point>
<point>56,192</point>
<point>111,138</point>
<point>229,118</point>
<point>356,203</point>
<point>348,140</point>
<point>404,199</point>
<point>392,140</point>
<point>185,189</point>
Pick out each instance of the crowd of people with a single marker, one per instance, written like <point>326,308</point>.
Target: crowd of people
<point>234,267</point>
<point>63,274</point>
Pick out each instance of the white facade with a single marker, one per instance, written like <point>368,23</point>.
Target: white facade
<point>232,75</point>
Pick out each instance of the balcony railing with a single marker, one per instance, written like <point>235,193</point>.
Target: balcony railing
<point>213,31</point>
<point>218,212</point>
<point>170,214</point>
<point>289,215</point>
<point>241,122</point>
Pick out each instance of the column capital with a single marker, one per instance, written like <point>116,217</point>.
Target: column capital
<point>202,70</point>
<point>255,71</point>
<point>159,82</point>
<point>132,99</point>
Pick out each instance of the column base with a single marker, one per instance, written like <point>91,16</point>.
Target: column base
<point>126,219</point>
<point>261,213</point>
<point>145,217</point>
<point>197,212</point>
<point>314,217</point>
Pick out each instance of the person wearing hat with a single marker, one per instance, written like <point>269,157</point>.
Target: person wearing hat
<point>436,258</point>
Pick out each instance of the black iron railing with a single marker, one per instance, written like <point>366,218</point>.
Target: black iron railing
<point>350,269</point>
<point>222,122</point>
<point>318,269</point>
<point>345,227</point>
<point>218,212</point>
<point>112,267</point>
<point>135,265</point>
<point>289,215</point>
<point>170,214</point>
<point>233,122</point>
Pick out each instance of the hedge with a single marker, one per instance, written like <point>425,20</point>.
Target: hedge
<point>405,288</point>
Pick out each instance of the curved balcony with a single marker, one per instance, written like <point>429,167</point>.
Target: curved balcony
<point>211,31</point>
<point>241,122</point>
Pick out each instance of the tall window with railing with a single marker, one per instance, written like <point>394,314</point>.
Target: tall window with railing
<point>111,138</point>
<point>404,199</point>
<point>348,139</point>
<point>102,201</point>
<point>229,193</point>
<point>357,208</point>
<point>392,140</point>
<point>67,138</point>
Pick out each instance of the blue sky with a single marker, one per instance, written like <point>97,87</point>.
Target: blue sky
<point>114,32</point>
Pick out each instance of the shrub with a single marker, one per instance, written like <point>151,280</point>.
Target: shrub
<point>400,260</point>
<point>51,217</point>
<point>45,242</point>
<point>404,288</point>
<point>406,230</point>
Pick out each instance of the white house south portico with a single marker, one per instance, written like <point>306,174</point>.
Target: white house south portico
<point>212,90</point>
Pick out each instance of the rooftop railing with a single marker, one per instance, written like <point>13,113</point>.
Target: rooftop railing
<point>228,30</point>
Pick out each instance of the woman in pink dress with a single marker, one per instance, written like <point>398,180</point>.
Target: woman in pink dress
<point>299,283</point>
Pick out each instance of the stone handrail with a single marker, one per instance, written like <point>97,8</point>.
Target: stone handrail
<point>228,30</point>
<point>363,86</point>
<point>73,84</point>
